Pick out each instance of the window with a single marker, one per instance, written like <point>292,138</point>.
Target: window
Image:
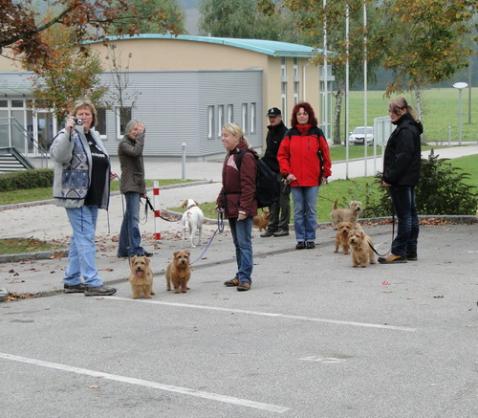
<point>230,113</point>
<point>17,103</point>
<point>210,122</point>
<point>3,103</point>
<point>123,116</point>
<point>253,118</point>
<point>244,117</point>
<point>283,70</point>
<point>220,119</point>
<point>100,124</point>
<point>284,104</point>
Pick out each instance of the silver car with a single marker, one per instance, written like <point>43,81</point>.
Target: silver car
<point>360,133</point>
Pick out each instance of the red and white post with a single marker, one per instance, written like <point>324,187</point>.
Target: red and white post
<point>157,212</point>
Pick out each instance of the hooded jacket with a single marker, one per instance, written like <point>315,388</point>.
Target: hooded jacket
<point>298,155</point>
<point>239,186</point>
<point>273,140</point>
<point>73,167</point>
<point>402,157</point>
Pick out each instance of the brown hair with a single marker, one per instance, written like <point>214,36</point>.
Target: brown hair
<point>308,108</point>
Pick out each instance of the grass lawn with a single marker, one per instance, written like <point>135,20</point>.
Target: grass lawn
<point>337,152</point>
<point>45,193</point>
<point>25,245</point>
<point>355,189</point>
<point>439,107</point>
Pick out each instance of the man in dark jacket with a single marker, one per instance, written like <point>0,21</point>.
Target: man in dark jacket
<point>401,172</point>
<point>280,210</point>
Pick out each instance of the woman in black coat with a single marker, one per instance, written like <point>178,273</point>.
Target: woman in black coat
<point>401,172</point>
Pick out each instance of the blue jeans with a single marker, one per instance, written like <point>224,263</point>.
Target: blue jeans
<point>241,235</point>
<point>403,200</point>
<point>305,222</point>
<point>130,237</point>
<point>82,252</point>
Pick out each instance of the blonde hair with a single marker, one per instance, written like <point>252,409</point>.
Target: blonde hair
<point>236,131</point>
<point>400,103</point>
<point>79,104</point>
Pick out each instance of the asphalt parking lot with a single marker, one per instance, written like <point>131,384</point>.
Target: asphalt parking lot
<point>313,338</point>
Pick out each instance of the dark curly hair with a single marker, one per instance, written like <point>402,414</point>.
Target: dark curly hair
<point>308,108</point>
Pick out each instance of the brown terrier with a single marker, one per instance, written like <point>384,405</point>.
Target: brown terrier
<point>349,214</point>
<point>362,253</point>
<point>261,220</point>
<point>178,272</point>
<point>342,236</point>
<point>141,277</point>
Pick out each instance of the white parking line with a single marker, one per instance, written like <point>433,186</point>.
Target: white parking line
<point>147,383</point>
<point>268,314</point>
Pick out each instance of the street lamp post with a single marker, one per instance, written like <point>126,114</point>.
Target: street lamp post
<point>460,85</point>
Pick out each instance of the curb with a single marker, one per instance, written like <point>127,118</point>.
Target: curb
<point>457,219</point>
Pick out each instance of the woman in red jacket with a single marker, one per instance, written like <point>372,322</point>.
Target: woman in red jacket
<point>301,165</point>
<point>237,200</point>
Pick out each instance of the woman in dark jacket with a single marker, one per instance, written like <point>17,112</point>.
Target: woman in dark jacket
<point>130,153</point>
<point>301,166</point>
<point>401,171</point>
<point>237,200</point>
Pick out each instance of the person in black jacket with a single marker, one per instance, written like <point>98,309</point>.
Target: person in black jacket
<point>280,210</point>
<point>401,172</point>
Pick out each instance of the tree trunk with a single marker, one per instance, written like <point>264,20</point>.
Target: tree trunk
<point>419,110</point>
<point>338,109</point>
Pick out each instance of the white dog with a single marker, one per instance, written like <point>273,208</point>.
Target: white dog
<point>192,220</point>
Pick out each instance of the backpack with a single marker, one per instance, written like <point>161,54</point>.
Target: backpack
<point>267,181</point>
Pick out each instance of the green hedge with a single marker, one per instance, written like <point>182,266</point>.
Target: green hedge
<point>29,179</point>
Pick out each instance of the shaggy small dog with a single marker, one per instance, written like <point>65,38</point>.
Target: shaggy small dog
<point>362,253</point>
<point>342,236</point>
<point>178,272</point>
<point>141,277</point>
<point>261,220</point>
<point>349,214</point>
<point>192,220</point>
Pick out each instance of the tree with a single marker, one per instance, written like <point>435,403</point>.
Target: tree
<point>423,41</point>
<point>243,19</point>
<point>67,74</point>
<point>309,18</point>
<point>158,12</point>
<point>88,20</point>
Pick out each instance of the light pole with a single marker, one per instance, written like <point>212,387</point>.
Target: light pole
<point>460,85</point>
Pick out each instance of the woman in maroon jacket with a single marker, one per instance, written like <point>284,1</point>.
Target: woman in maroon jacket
<point>301,165</point>
<point>237,200</point>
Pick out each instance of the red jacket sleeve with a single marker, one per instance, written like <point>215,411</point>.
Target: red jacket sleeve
<point>324,147</point>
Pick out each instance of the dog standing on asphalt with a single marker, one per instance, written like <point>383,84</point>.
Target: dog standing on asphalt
<point>362,253</point>
<point>192,220</point>
<point>141,277</point>
<point>178,272</point>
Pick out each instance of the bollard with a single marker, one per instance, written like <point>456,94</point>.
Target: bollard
<point>157,213</point>
<point>449,133</point>
<point>183,162</point>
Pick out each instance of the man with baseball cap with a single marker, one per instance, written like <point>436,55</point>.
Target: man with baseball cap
<point>279,210</point>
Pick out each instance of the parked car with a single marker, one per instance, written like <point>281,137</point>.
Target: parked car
<point>358,135</point>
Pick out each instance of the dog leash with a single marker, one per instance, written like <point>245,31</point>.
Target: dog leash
<point>149,205</point>
<point>220,229</point>
<point>393,233</point>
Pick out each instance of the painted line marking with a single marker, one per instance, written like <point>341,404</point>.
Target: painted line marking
<point>147,383</point>
<point>267,314</point>
<point>325,360</point>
